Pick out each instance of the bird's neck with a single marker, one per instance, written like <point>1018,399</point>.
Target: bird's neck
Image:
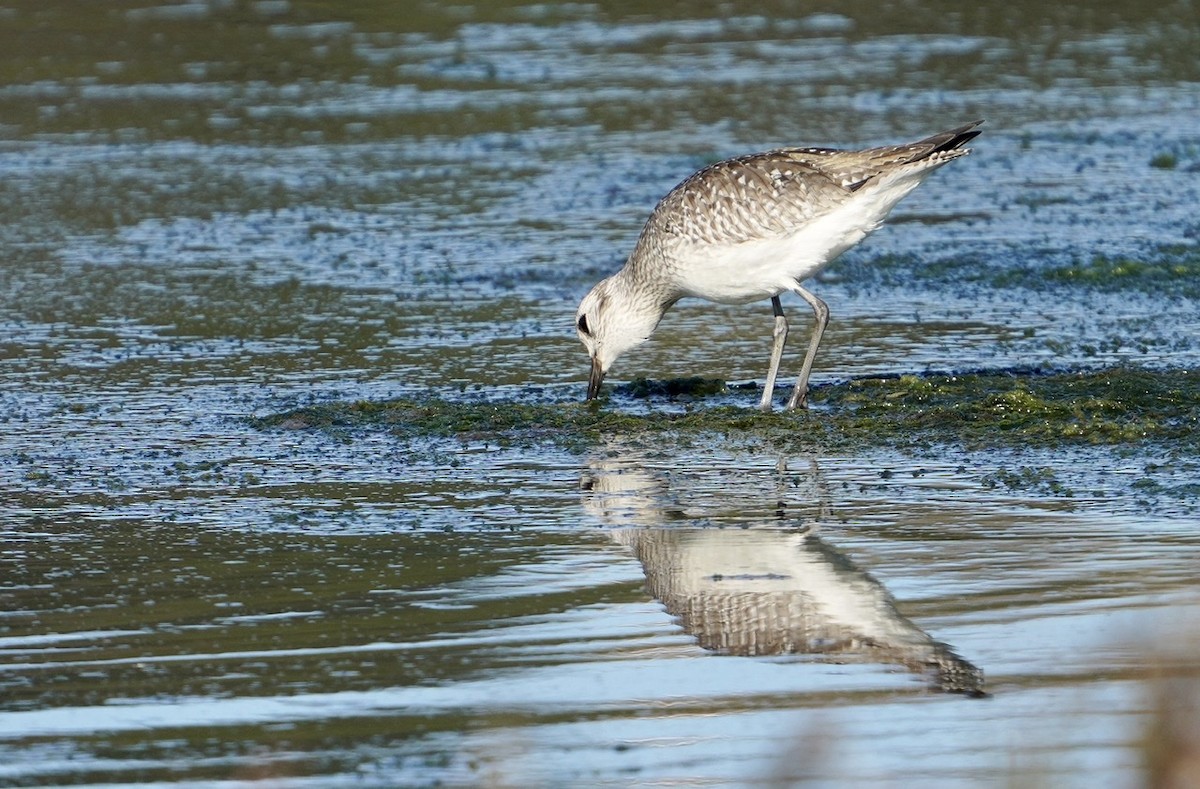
<point>647,294</point>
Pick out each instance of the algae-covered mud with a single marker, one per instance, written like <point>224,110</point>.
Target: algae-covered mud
<point>1001,408</point>
<point>297,487</point>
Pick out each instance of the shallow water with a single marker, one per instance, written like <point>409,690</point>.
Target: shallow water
<point>210,212</point>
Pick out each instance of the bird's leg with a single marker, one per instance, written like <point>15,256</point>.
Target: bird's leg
<point>821,311</point>
<point>778,338</point>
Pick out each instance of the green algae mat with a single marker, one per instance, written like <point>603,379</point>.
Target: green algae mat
<point>1109,406</point>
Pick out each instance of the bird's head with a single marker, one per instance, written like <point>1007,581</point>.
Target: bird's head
<point>611,320</point>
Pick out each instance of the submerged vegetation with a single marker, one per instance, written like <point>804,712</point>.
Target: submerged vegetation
<point>1172,269</point>
<point>1113,406</point>
<point>1164,161</point>
<point>1177,267</point>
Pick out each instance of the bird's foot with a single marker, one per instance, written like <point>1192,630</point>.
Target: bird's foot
<point>798,400</point>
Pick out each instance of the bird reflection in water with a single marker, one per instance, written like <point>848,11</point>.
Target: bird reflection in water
<point>759,586</point>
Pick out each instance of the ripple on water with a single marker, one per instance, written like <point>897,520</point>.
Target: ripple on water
<point>370,203</point>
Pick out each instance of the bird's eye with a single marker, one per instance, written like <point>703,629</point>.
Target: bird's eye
<point>582,324</point>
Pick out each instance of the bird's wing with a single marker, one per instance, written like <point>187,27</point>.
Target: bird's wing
<point>772,194</point>
<point>854,169</point>
<point>749,197</point>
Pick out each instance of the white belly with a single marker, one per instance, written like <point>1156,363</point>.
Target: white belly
<point>765,267</point>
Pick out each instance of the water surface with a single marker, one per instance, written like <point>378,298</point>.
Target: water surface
<point>212,211</point>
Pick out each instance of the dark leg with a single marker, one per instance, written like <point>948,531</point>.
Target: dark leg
<point>778,338</point>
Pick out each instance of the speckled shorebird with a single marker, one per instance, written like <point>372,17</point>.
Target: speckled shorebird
<point>750,228</point>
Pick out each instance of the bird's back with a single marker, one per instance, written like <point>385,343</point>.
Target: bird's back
<point>773,195</point>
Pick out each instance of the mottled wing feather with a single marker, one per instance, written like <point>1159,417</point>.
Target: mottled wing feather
<point>848,169</point>
<point>746,198</point>
<point>774,193</point>
<point>852,169</point>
